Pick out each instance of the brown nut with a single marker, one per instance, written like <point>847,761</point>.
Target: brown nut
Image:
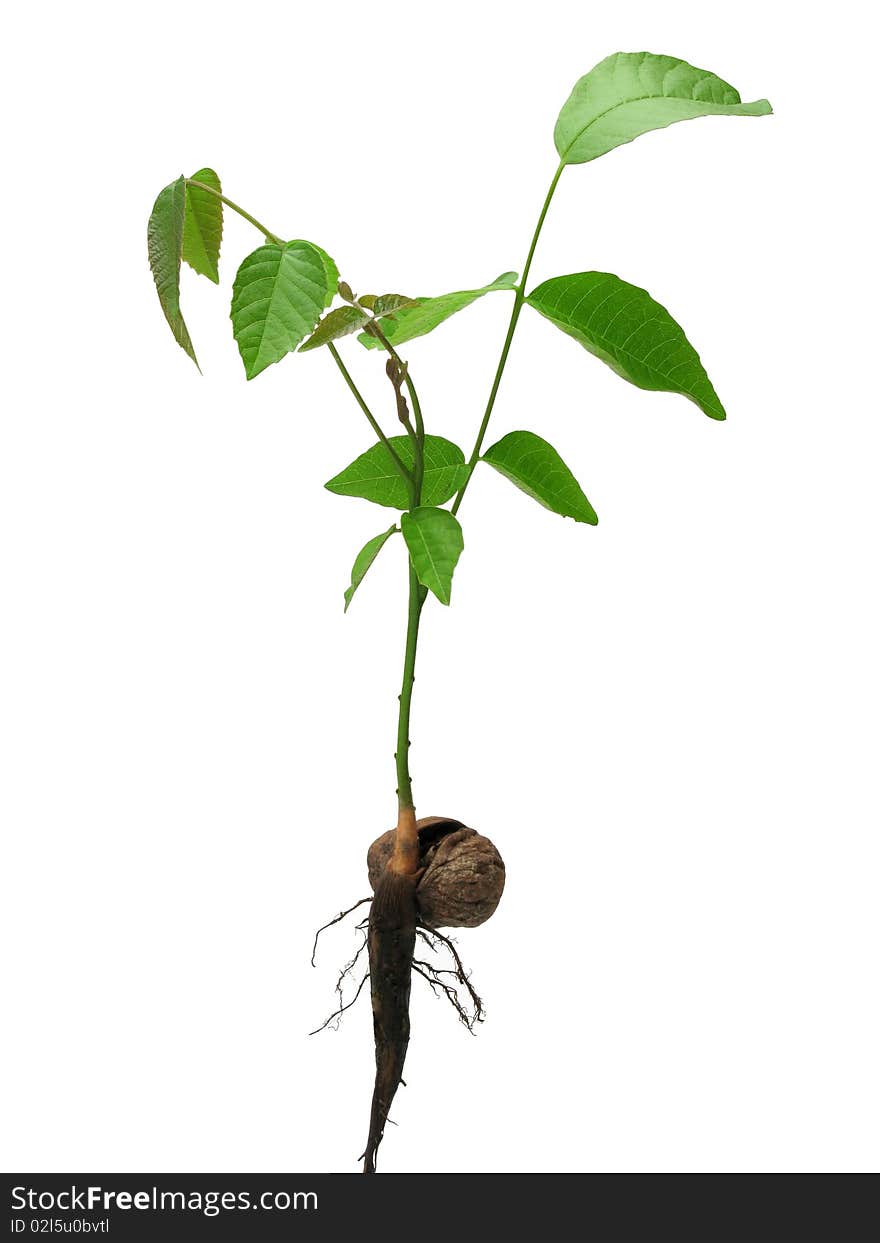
<point>464,873</point>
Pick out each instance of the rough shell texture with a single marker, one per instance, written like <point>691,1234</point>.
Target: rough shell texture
<point>378,855</point>
<point>463,883</point>
<point>464,873</point>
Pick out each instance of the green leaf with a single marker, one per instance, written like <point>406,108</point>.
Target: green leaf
<point>630,93</point>
<point>203,225</point>
<point>278,295</point>
<point>536,468</point>
<point>435,542</point>
<point>374,477</point>
<point>628,330</point>
<point>364,560</point>
<point>335,324</point>
<point>427,313</point>
<point>164,246</point>
<point>383,303</point>
<point>332,273</point>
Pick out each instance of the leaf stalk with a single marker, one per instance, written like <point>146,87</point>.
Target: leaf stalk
<point>267,233</point>
<point>519,298</point>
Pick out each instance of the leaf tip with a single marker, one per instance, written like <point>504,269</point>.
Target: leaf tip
<point>186,344</point>
<point>253,366</point>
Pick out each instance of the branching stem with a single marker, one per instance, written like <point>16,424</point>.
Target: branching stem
<point>402,470</point>
<point>414,478</point>
<point>417,593</point>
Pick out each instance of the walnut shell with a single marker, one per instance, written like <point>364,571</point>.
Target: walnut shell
<point>464,873</point>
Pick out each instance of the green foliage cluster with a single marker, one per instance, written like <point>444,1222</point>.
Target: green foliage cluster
<point>288,296</point>
<point>284,292</point>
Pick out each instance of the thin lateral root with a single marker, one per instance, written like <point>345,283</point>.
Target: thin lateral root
<point>341,915</point>
<point>340,983</point>
<point>468,1014</point>
<point>337,1014</point>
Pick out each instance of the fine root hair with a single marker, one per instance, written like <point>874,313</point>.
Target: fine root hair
<point>333,1020</point>
<point>337,1014</point>
<point>453,983</point>
<point>341,915</point>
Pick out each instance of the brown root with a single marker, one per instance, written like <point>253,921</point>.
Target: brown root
<point>391,937</point>
<point>424,873</point>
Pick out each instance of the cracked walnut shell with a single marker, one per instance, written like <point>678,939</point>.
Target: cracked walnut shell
<point>463,878</point>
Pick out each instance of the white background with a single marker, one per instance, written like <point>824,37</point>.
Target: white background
<point>667,723</point>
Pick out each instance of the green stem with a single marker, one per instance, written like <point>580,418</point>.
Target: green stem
<point>519,298</point>
<point>401,468</point>
<point>267,233</point>
<point>417,594</point>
